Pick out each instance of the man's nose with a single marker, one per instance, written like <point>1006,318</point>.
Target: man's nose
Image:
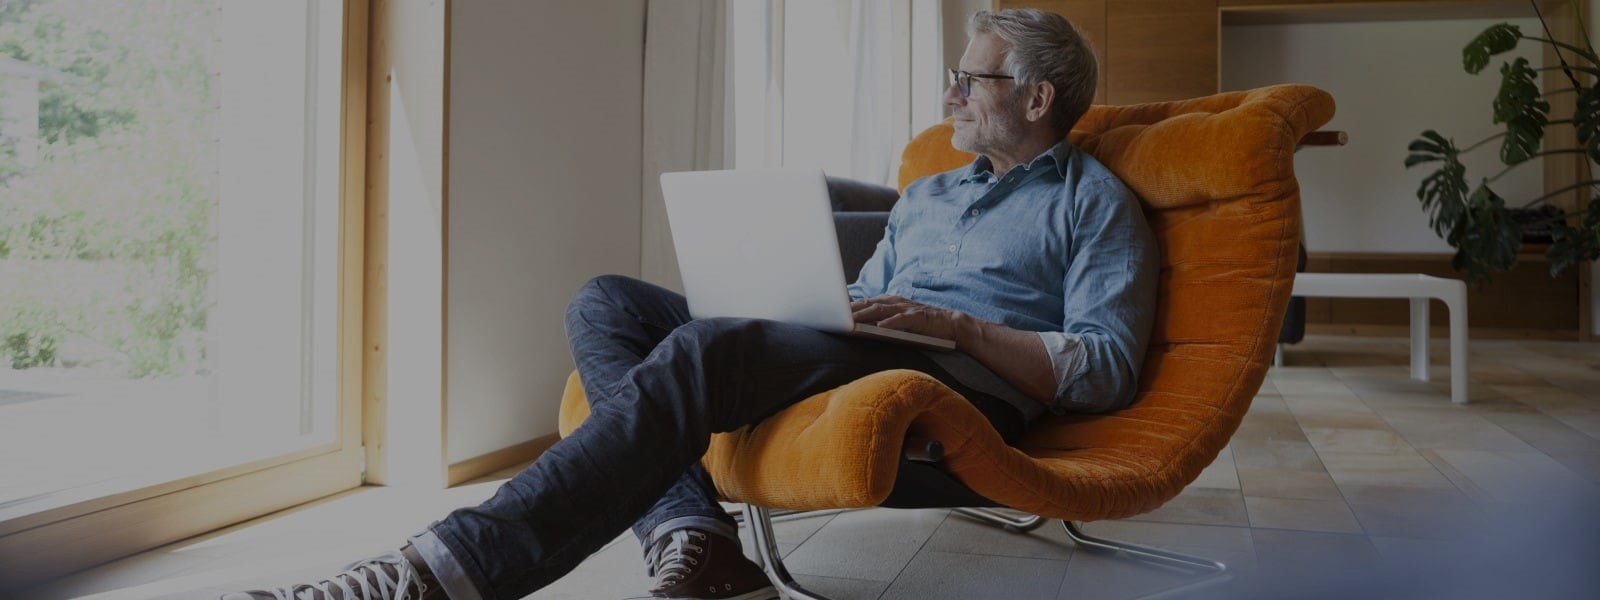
<point>952,96</point>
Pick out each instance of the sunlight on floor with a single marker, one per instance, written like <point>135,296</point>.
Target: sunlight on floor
<point>1346,477</point>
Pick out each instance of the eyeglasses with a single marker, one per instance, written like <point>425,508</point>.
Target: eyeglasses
<point>963,80</point>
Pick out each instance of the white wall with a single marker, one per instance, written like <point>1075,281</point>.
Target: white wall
<point>544,142</point>
<point>1391,81</point>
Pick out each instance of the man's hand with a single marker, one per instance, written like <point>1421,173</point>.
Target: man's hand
<point>894,312</point>
<point>1017,356</point>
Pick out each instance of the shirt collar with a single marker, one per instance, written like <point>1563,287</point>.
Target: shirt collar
<point>1056,155</point>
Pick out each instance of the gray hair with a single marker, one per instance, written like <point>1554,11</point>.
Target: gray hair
<point>1045,47</point>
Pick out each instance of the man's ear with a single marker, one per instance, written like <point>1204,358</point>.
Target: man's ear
<point>1040,98</point>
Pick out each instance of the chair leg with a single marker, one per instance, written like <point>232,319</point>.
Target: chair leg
<point>760,520</point>
<point>1215,571</point>
<point>998,519</point>
<point>776,513</point>
<point>783,514</point>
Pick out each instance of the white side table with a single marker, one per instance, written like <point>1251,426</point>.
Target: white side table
<point>1418,288</point>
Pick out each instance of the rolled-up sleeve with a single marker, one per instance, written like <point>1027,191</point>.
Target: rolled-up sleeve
<point>1067,358</point>
<point>1109,292</point>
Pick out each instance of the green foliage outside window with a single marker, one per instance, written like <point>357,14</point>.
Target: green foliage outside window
<point>105,241</point>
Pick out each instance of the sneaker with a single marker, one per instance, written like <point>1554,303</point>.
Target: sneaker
<point>695,565</point>
<point>385,577</point>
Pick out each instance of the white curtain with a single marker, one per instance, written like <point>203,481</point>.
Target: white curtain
<point>684,64</point>
<point>854,80</point>
<point>874,139</point>
<point>897,57</point>
<point>840,84</point>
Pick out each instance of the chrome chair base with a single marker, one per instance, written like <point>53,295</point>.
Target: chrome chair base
<point>1002,520</point>
<point>1215,572</point>
<point>766,544</point>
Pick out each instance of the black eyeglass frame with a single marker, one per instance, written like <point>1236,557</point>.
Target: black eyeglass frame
<point>963,80</point>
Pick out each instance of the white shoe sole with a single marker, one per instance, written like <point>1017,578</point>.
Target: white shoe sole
<point>766,593</point>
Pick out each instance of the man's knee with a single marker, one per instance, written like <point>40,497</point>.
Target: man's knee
<point>600,290</point>
<point>594,295</point>
<point>603,286</point>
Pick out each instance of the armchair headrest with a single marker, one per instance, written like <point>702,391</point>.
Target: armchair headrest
<point>1177,153</point>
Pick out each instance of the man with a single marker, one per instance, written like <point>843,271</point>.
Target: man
<point>1035,259</point>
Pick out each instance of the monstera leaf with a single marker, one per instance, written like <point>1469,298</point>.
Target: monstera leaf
<point>1475,221</point>
<point>1443,193</point>
<point>1494,40</point>
<point>1569,245</point>
<point>1430,147</point>
<point>1521,107</point>
<point>1484,235</point>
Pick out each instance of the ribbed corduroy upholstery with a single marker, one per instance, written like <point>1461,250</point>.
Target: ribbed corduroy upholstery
<point>1217,178</point>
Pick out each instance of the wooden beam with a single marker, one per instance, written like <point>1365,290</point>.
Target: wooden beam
<point>375,307</point>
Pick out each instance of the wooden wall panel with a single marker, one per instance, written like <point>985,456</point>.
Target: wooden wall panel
<point>1159,51</point>
<point>1088,15</point>
<point>1560,170</point>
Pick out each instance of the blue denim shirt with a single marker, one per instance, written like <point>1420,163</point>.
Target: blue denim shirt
<point>1059,246</point>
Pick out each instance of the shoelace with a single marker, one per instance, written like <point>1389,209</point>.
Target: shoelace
<point>387,588</point>
<point>674,563</point>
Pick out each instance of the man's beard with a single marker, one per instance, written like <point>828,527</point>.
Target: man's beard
<point>1003,128</point>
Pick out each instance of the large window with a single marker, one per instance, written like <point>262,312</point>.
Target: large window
<point>169,244</point>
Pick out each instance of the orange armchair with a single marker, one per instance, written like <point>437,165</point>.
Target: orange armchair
<point>1216,175</point>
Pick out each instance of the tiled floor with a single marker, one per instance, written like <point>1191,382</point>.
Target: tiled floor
<point>1346,479</point>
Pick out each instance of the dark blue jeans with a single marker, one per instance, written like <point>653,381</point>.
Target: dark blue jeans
<point>659,384</point>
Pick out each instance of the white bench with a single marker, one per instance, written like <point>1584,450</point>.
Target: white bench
<point>1419,288</point>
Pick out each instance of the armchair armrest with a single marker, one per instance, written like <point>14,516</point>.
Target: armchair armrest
<point>860,214</point>
<point>859,233</point>
<point>849,195</point>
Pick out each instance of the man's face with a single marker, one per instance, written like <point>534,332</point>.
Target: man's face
<point>991,117</point>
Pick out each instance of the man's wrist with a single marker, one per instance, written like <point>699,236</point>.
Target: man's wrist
<point>970,332</point>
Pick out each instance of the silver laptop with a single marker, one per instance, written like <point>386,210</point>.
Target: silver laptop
<point>761,244</point>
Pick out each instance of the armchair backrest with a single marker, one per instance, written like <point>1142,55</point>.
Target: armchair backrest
<point>1216,175</point>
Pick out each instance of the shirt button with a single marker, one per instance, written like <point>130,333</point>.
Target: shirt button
<point>975,212</point>
<point>952,247</point>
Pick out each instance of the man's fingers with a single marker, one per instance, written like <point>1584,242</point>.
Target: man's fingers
<point>861,313</point>
<point>873,313</point>
<point>882,309</point>
<point>893,320</point>
<point>878,312</point>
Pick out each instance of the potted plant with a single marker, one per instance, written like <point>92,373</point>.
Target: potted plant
<point>1486,232</point>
